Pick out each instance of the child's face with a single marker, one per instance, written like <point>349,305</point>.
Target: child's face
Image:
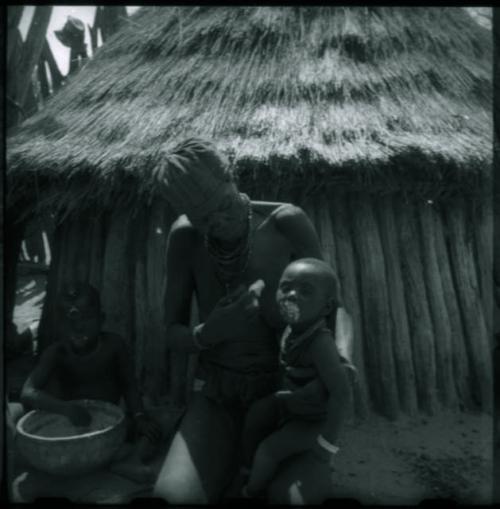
<point>302,295</point>
<point>80,324</point>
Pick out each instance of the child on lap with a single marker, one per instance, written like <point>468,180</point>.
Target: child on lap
<point>307,413</point>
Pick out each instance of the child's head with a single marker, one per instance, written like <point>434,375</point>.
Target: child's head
<point>81,318</point>
<point>308,290</point>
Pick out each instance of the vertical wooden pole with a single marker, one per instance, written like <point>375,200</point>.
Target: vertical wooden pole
<point>64,266</point>
<point>496,255</point>
<point>32,49</point>
<point>14,39</point>
<point>94,30</point>
<point>117,277</point>
<point>152,359</point>
<point>93,37</point>
<point>42,78</point>
<point>419,318</point>
<point>55,73</point>
<point>14,233</point>
<point>437,306</point>
<point>14,57</point>
<point>141,304</point>
<point>14,15</point>
<point>476,333</point>
<point>30,105</point>
<point>461,370</point>
<point>481,213</point>
<point>98,230</point>
<point>376,311</point>
<point>399,315</point>
<point>47,330</point>
<point>160,219</point>
<point>325,230</point>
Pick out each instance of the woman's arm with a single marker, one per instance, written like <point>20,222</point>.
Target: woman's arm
<point>294,224</point>
<point>180,286</point>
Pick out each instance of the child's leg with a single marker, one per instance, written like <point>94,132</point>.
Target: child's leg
<point>293,438</point>
<point>261,420</point>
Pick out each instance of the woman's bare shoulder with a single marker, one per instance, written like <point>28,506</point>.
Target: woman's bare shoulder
<point>275,212</point>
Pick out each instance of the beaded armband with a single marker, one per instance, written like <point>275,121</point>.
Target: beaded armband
<point>323,442</point>
<point>196,337</point>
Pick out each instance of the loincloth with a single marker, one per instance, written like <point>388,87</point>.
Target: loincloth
<point>234,388</point>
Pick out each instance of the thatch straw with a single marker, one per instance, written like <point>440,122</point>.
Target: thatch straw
<point>372,95</point>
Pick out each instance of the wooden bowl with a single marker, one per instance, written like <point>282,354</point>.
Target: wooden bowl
<point>51,443</point>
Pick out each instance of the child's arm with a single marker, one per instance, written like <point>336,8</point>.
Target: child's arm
<point>331,372</point>
<point>34,393</point>
<point>130,391</point>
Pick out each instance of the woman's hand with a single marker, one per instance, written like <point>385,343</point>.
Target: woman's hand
<point>231,316</point>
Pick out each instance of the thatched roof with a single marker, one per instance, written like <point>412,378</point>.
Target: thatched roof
<point>376,96</point>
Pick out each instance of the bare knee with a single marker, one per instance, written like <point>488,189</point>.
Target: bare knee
<point>178,483</point>
<point>176,491</point>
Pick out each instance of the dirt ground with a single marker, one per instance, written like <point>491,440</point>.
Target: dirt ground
<point>448,455</point>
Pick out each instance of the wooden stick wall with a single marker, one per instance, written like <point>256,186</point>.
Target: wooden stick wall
<point>410,280</point>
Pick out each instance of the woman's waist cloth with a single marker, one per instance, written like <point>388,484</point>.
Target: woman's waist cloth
<point>246,357</point>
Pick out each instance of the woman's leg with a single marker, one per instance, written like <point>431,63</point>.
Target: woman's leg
<point>200,461</point>
<point>293,438</point>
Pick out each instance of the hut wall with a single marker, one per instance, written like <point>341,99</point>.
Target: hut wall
<point>409,279</point>
<point>434,277</point>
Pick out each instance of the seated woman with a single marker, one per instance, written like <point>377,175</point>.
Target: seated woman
<point>223,244</point>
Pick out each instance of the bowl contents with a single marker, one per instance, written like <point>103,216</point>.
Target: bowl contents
<point>48,425</point>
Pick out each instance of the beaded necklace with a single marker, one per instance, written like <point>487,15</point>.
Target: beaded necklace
<point>231,262</point>
<point>289,343</point>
